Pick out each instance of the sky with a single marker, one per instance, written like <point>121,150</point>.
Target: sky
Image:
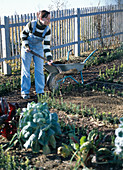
<point>11,7</point>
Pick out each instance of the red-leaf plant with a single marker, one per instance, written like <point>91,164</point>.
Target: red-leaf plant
<point>8,119</point>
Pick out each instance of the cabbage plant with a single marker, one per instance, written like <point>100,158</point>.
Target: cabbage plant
<point>38,127</point>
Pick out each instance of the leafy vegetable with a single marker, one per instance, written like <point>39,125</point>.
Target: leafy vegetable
<point>119,140</point>
<point>65,150</point>
<point>83,149</point>
<point>8,119</point>
<point>38,127</point>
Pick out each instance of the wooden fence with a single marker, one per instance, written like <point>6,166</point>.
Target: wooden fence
<point>82,30</point>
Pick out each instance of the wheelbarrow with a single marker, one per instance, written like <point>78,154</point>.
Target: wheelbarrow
<point>58,73</point>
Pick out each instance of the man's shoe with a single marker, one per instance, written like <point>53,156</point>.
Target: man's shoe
<point>25,96</point>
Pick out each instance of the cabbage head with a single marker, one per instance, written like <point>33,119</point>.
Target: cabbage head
<point>38,127</point>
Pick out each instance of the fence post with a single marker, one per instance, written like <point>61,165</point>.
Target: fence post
<point>6,45</point>
<point>77,33</point>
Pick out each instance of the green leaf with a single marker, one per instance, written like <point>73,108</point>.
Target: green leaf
<point>75,146</point>
<point>29,141</point>
<point>25,129</point>
<point>50,132</point>
<point>46,149</point>
<point>92,134</point>
<point>53,118</point>
<point>41,142</point>
<point>27,134</point>
<point>86,146</point>
<point>52,141</point>
<point>82,140</point>
<point>56,128</point>
<point>41,120</point>
<point>35,146</point>
<point>40,133</point>
<point>46,127</point>
<point>44,138</point>
<point>33,125</point>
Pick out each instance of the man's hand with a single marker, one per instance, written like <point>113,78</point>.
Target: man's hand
<point>28,49</point>
<point>50,62</point>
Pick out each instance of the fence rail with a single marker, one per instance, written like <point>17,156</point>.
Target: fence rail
<point>82,30</point>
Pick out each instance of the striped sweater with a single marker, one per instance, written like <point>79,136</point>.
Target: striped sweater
<point>38,32</point>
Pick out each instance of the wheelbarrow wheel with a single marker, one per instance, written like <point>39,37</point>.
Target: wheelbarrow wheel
<point>52,83</point>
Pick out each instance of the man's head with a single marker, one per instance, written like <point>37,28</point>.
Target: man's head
<point>44,17</point>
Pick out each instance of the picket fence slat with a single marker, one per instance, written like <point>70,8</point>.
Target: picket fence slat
<point>82,30</point>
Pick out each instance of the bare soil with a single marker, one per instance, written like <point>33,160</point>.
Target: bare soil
<point>101,101</point>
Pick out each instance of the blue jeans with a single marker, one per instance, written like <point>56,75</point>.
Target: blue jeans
<point>25,69</point>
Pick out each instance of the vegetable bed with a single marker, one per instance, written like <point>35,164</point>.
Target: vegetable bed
<point>80,110</point>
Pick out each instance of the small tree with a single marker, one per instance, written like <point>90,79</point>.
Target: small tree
<point>58,4</point>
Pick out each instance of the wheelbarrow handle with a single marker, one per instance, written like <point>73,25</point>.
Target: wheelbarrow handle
<point>89,56</point>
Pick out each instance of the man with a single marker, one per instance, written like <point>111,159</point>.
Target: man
<point>34,33</point>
